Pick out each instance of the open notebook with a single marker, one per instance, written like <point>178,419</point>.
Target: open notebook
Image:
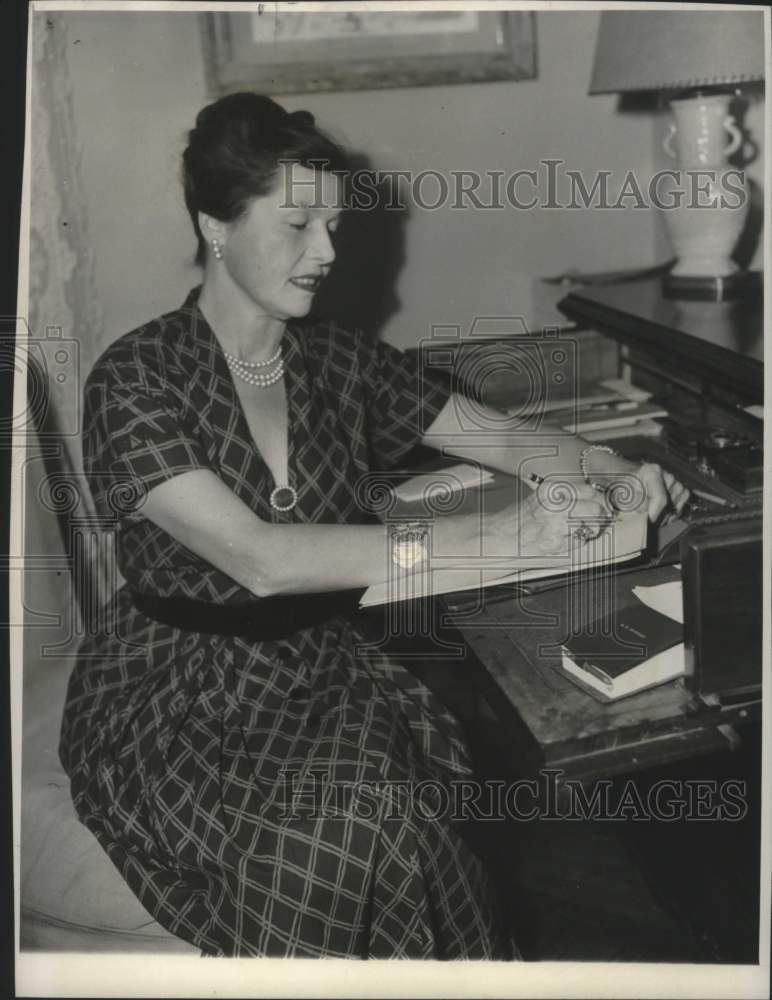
<point>444,574</point>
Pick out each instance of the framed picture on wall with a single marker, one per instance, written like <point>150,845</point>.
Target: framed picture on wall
<point>284,51</point>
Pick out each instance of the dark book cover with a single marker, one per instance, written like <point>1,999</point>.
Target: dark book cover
<point>610,646</point>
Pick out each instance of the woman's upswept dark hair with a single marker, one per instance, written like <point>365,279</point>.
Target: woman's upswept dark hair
<point>234,151</point>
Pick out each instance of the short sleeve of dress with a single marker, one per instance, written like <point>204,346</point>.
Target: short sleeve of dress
<point>403,400</point>
<point>135,436</point>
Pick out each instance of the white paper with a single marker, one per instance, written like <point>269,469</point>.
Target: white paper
<point>642,428</point>
<point>453,479</point>
<point>626,389</point>
<point>448,575</point>
<point>667,598</point>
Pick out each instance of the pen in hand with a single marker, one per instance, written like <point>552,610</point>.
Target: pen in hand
<point>584,532</point>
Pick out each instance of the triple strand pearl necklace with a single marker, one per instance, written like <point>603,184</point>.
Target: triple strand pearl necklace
<point>259,373</point>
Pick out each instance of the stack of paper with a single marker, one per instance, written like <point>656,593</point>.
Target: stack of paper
<point>641,428</point>
<point>614,409</point>
<point>625,389</point>
<point>609,416</point>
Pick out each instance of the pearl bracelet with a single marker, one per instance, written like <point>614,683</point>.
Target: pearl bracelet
<point>583,457</point>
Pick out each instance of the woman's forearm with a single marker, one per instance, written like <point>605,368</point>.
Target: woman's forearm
<point>199,510</point>
<point>316,557</point>
<point>546,450</point>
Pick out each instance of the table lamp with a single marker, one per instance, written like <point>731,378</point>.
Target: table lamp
<point>698,60</point>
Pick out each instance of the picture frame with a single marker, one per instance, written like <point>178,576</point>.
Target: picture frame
<point>284,52</point>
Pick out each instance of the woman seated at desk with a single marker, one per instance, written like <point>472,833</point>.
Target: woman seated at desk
<point>244,432</point>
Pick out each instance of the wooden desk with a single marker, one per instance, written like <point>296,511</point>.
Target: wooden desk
<point>704,361</point>
<point>502,678</point>
<point>718,342</point>
<point>541,720</point>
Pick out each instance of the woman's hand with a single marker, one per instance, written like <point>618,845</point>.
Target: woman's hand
<point>642,487</point>
<point>550,522</point>
<point>661,490</point>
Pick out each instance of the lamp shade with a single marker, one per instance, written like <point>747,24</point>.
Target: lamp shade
<point>674,50</point>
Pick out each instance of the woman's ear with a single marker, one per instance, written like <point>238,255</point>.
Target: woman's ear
<point>211,228</point>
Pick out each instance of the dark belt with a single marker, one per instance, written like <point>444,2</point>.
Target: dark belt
<point>269,618</point>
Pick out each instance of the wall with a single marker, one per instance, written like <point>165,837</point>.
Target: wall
<point>138,82</point>
<point>464,263</point>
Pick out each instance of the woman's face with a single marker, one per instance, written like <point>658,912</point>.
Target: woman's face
<point>280,249</point>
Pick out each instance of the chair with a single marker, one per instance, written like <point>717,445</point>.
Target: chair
<point>72,897</point>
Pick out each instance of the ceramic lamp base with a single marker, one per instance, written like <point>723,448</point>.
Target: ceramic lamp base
<point>712,289</point>
<point>707,221</point>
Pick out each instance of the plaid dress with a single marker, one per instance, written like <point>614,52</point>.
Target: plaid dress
<point>256,796</point>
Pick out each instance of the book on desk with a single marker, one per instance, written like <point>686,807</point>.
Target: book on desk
<point>624,652</point>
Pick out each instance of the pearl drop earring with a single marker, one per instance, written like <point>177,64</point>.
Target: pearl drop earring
<point>217,249</point>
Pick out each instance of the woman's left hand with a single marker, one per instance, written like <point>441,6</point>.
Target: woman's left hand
<point>653,489</point>
<point>662,490</point>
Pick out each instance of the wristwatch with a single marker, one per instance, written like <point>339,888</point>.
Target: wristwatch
<point>409,543</point>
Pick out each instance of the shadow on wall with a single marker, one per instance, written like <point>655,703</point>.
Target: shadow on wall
<point>748,153</point>
<point>360,290</point>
